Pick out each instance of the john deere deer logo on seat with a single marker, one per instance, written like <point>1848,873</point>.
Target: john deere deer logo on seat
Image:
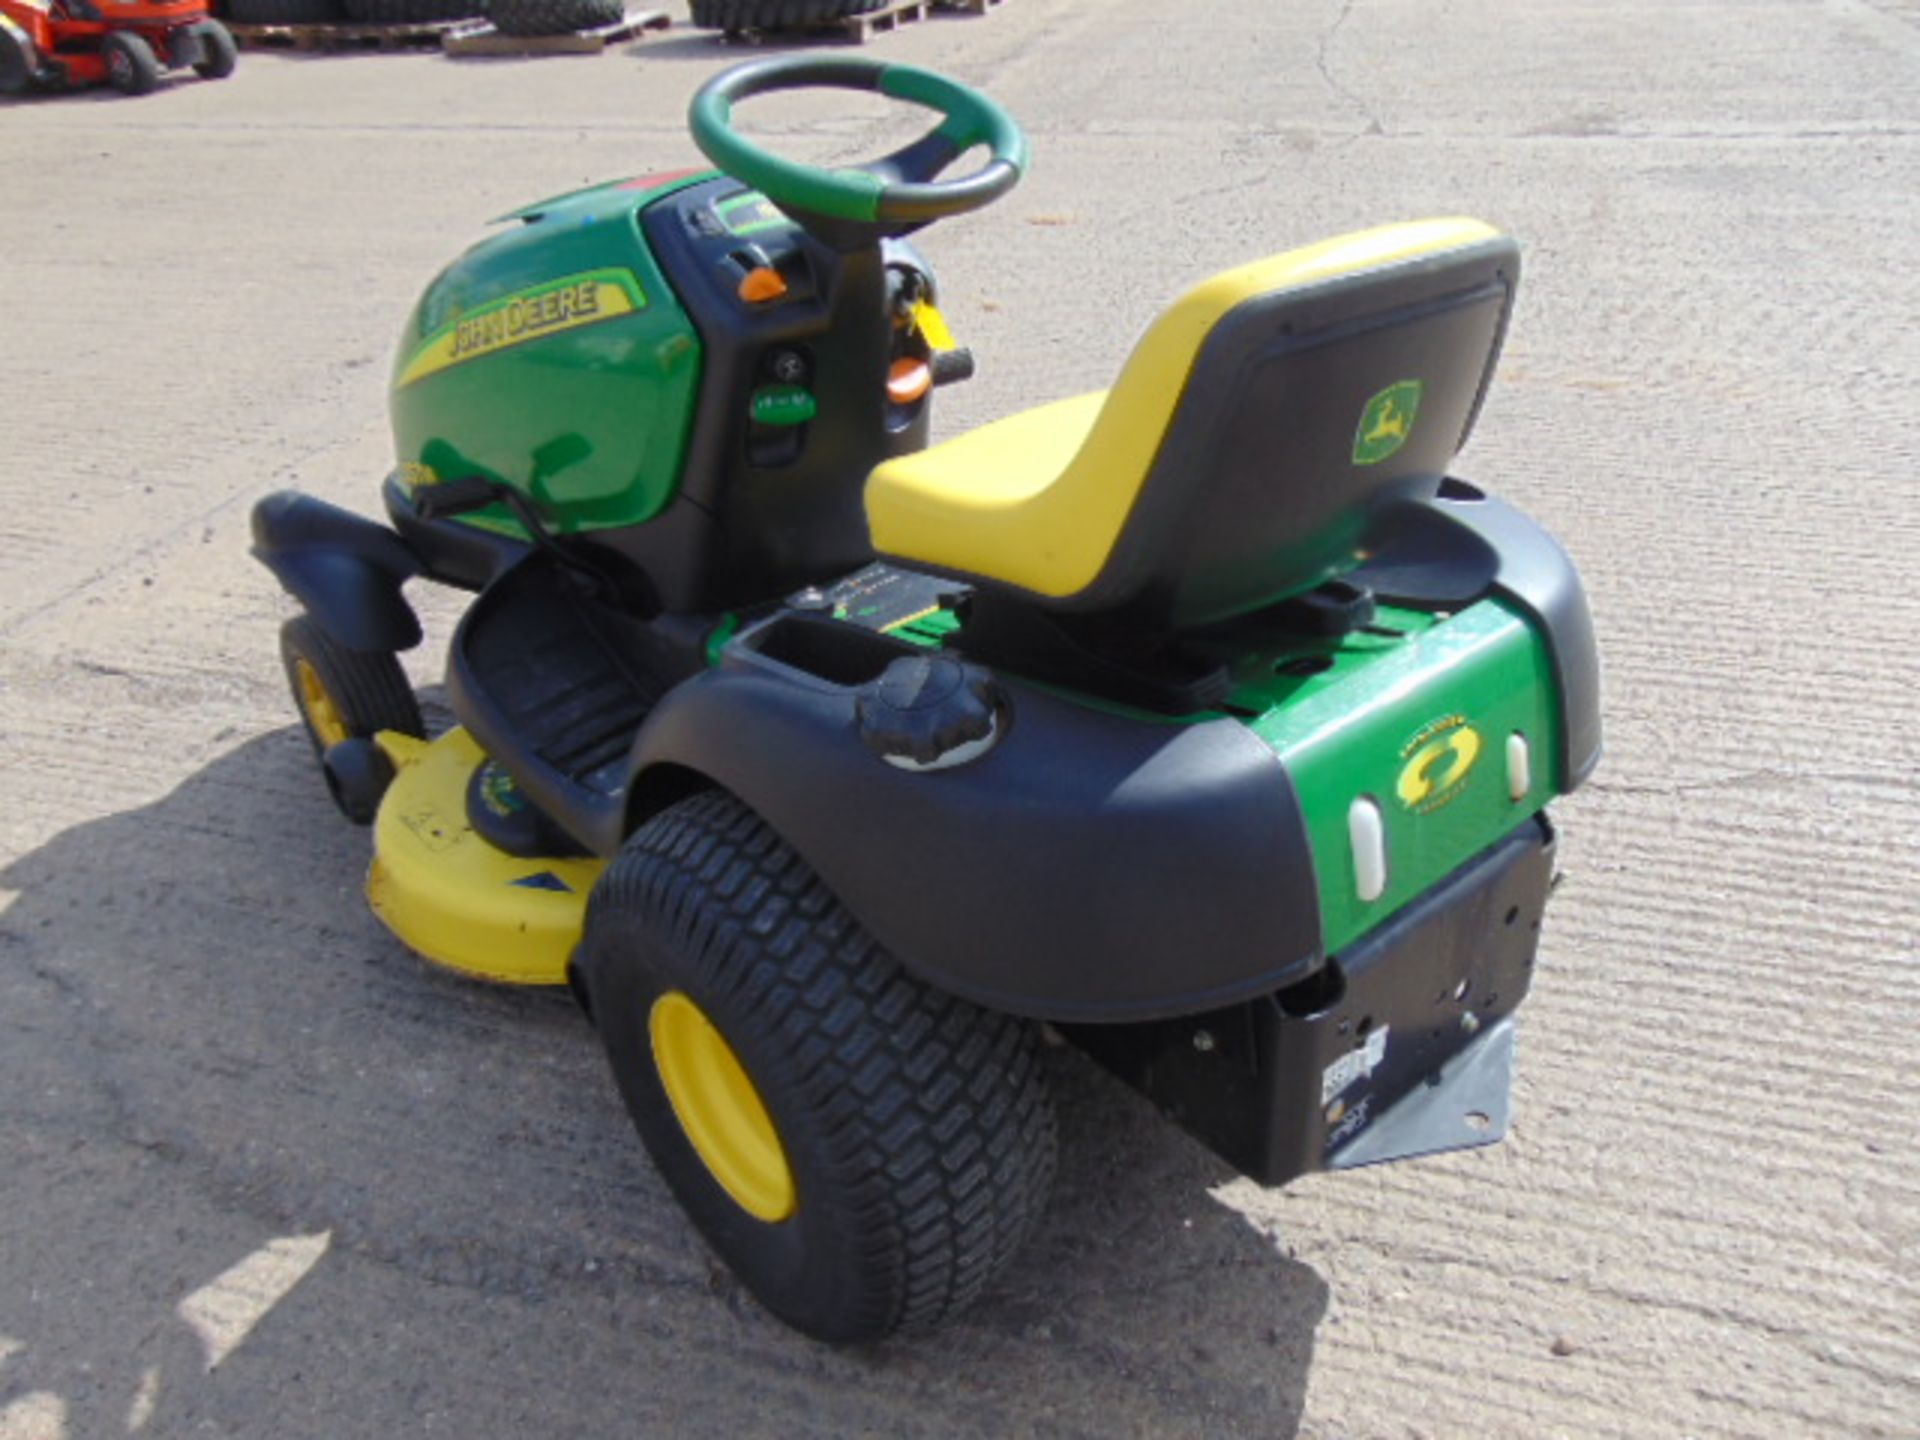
<point>1386,422</point>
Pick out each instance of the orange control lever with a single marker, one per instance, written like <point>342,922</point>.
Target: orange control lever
<point>762,284</point>
<point>907,380</point>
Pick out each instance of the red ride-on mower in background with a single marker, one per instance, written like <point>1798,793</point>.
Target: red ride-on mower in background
<point>56,44</point>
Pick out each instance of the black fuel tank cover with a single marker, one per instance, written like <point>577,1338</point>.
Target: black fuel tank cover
<point>929,711</point>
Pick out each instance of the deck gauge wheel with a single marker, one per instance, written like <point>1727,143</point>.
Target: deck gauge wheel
<point>344,698</point>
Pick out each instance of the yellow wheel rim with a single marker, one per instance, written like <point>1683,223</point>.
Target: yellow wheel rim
<point>329,728</point>
<point>719,1110</point>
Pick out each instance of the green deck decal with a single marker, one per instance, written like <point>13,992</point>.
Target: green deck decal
<point>1386,422</point>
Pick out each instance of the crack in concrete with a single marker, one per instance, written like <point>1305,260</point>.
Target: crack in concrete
<point>1334,83</point>
<point>1762,779</point>
<point>1686,135</point>
<point>161,543</point>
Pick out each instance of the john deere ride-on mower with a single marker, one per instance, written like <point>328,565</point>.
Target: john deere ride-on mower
<point>1208,719</point>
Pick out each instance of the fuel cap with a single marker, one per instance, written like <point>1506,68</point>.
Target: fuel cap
<point>928,712</point>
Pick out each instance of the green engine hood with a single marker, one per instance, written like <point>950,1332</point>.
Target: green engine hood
<point>555,357</point>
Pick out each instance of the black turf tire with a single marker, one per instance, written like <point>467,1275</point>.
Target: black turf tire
<point>917,1127</point>
<point>132,67</point>
<point>368,687</point>
<point>553,17</point>
<point>221,53</point>
<point>284,12</point>
<point>411,12</point>
<point>733,15</point>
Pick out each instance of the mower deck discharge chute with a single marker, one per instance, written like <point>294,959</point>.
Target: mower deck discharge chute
<point>1209,719</point>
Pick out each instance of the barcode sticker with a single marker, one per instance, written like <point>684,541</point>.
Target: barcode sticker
<point>1356,1064</point>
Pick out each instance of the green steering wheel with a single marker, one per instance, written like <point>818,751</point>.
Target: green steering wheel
<point>891,195</point>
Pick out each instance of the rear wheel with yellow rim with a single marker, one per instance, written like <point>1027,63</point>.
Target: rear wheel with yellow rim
<point>864,1151</point>
<point>342,694</point>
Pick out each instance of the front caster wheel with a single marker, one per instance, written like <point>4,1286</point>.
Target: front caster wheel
<point>132,67</point>
<point>866,1152</point>
<point>345,695</point>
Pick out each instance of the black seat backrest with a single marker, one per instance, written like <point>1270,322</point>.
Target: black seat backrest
<point>1308,412</point>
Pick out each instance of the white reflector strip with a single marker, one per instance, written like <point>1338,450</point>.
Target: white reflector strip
<point>1519,766</point>
<point>1369,840</point>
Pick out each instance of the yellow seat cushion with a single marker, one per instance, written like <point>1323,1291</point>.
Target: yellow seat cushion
<point>1038,501</point>
<point>992,496</point>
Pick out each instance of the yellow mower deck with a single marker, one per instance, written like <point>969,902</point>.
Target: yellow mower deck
<point>451,896</point>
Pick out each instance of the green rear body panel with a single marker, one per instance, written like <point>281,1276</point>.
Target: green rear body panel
<point>1415,716</point>
<point>554,357</point>
<point>1418,723</point>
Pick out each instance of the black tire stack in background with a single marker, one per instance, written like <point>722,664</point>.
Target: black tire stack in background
<point>553,17</point>
<point>356,12</point>
<point>283,12</point>
<point>411,12</point>
<point>734,15</point>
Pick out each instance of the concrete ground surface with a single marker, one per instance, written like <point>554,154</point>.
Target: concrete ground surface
<point>264,1174</point>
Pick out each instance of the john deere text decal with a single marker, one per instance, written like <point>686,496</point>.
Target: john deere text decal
<point>539,310</point>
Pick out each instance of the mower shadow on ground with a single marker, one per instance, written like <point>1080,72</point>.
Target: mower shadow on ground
<point>193,990</point>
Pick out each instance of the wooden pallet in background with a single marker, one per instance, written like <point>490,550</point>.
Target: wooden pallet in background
<point>479,37</point>
<point>342,37</point>
<point>863,28</point>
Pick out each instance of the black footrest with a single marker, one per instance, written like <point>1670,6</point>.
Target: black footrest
<point>554,684</point>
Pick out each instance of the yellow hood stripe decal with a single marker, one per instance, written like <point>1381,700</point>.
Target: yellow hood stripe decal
<point>540,310</point>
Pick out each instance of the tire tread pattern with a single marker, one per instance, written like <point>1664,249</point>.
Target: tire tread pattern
<point>935,1111</point>
<point>411,12</point>
<point>283,12</point>
<point>733,15</point>
<point>369,687</point>
<point>553,17</point>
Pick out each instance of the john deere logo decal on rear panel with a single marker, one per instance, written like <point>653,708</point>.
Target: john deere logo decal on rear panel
<point>1386,422</point>
<point>1436,762</point>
